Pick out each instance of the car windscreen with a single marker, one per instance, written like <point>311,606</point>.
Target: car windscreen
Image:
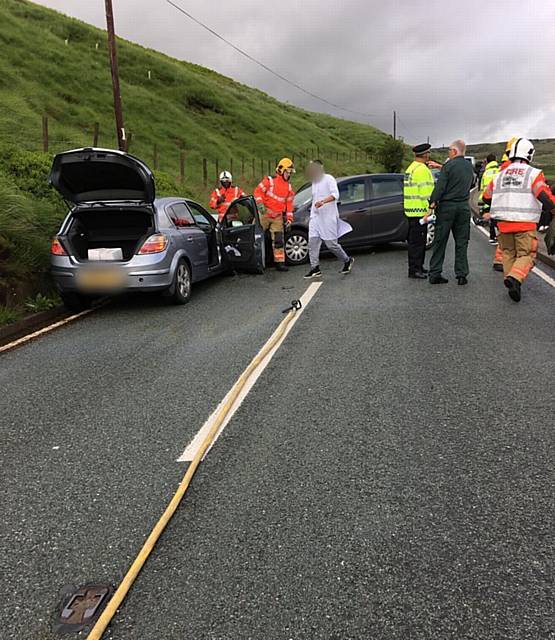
<point>303,196</point>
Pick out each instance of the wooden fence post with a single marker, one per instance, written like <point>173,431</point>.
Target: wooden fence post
<point>217,170</point>
<point>155,156</point>
<point>205,172</point>
<point>182,166</point>
<point>269,167</point>
<point>45,134</point>
<point>253,168</point>
<point>96,132</point>
<point>261,166</point>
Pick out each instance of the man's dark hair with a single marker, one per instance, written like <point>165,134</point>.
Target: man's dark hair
<point>318,162</point>
<point>491,157</point>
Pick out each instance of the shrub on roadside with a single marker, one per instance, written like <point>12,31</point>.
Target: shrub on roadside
<point>8,315</point>
<point>392,154</point>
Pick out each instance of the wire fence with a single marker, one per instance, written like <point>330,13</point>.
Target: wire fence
<point>185,166</point>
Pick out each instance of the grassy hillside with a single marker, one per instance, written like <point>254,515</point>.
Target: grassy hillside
<point>544,158</point>
<point>57,66</point>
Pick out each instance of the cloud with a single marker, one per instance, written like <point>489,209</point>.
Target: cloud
<point>462,68</point>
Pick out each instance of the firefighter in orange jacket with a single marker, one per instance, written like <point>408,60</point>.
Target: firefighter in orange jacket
<point>517,196</point>
<point>505,162</point>
<point>225,194</point>
<point>274,197</point>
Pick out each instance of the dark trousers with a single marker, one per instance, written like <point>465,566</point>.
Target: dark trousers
<point>451,217</point>
<point>417,244</point>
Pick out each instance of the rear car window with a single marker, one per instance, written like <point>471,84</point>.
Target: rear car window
<point>351,192</point>
<point>180,215</point>
<point>384,187</point>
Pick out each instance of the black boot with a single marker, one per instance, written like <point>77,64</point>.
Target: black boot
<point>513,285</point>
<point>280,266</point>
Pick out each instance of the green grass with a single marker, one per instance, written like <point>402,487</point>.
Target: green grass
<point>8,315</point>
<point>182,106</point>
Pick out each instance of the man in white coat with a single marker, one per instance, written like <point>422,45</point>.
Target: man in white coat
<point>325,224</point>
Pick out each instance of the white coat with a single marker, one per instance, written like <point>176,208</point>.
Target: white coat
<point>325,222</point>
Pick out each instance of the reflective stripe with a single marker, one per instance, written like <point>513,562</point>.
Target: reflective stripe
<point>513,198</point>
<point>417,189</point>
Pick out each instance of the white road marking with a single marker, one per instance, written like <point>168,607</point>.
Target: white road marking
<point>48,329</point>
<point>535,270</point>
<point>196,442</point>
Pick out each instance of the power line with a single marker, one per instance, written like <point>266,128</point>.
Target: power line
<point>265,67</point>
<point>407,130</point>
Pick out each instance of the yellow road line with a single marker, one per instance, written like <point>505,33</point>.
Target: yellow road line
<point>134,570</point>
<point>44,330</point>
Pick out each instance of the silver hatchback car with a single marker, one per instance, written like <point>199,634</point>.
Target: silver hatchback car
<point>119,237</point>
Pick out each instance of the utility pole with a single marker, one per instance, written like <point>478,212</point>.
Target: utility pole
<point>395,125</point>
<point>112,48</point>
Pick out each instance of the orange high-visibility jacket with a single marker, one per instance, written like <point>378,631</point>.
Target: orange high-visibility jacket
<point>221,198</point>
<point>276,194</point>
<point>517,196</point>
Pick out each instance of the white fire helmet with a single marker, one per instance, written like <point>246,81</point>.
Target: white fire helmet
<point>225,176</point>
<point>522,149</point>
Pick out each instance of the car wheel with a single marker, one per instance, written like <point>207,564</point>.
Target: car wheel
<point>430,235</point>
<point>182,283</point>
<point>296,247</point>
<point>75,301</point>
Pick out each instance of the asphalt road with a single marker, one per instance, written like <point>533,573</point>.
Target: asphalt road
<point>389,476</point>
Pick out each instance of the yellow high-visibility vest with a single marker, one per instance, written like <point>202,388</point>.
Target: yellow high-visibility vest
<point>491,170</point>
<point>418,187</point>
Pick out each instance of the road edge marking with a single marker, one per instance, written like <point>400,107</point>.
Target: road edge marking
<point>44,330</point>
<point>192,448</point>
<point>541,274</point>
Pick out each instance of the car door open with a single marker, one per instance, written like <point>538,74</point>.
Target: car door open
<point>242,236</point>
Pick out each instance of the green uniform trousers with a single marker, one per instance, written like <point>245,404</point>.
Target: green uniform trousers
<point>451,217</point>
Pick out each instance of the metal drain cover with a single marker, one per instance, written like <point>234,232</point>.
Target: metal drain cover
<point>81,607</point>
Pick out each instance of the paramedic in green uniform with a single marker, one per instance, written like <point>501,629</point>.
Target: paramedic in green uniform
<point>449,200</point>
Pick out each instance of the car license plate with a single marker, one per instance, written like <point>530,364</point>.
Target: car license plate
<point>100,279</point>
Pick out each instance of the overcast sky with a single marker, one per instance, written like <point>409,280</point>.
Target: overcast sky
<point>479,70</point>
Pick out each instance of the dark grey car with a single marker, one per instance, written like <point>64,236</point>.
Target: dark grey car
<point>372,204</point>
<point>119,237</point>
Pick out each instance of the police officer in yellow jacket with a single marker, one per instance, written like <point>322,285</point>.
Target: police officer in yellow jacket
<point>418,187</point>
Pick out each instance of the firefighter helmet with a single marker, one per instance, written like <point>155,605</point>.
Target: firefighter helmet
<point>522,149</point>
<point>508,146</point>
<point>285,164</point>
<point>225,176</point>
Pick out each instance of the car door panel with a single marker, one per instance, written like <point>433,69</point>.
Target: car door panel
<point>387,208</point>
<point>205,222</point>
<point>354,208</point>
<point>242,236</point>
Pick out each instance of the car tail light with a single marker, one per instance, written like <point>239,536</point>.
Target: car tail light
<point>57,248</point>
<point>155,244</point>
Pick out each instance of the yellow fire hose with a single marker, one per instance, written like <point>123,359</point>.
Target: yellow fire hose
<point>133,571</point>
